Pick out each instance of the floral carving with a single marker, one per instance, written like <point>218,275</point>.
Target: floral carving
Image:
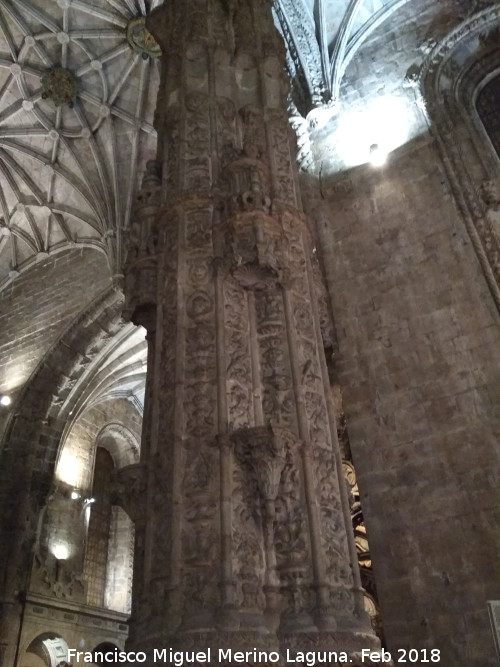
<point>243,508</point>
<point>59,85</point>
<point>141,40</point>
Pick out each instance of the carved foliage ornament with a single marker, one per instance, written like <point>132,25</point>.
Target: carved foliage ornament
<point>59,85</point>
<point>141,40</point>
<point>263,448</point>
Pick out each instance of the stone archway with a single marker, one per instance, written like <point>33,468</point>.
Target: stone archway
<point>46,650</point>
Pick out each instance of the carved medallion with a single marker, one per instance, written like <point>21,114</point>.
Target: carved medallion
<point>59,85</point>
<point>141,40</point>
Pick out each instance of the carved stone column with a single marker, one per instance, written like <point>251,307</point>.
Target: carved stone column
<point>245,541</point>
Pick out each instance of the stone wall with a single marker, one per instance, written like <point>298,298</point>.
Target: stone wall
<point>419,349</point>
<point>120,562</point>
<point>76,461</point>
<point>37,307</point>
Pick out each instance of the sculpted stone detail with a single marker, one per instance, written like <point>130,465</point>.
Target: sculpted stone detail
<point>247,540</point>
<point>238,361</point>
<point>141,40</point>
<point>301,128</point>
<point>59,85</point>
<point>143,247</point>
<point>197,162</point>
<point>444,70</point>
<point>263,450</point>
<point>490,194</point>
<point>303,46</point>
<point>227,130</point>
<point>240,503</point>
<point>326,323</point>
<point>198,28</point>
<point>254,136</point>
<point>55,578</point>
<point>278,402</point>
<point>292,544</point>
<point>172,158</point>
<point>263,453</point>
<point>282,138</point>
<point>129,489</point>
<point>334,530</point>
<point>255,250</point>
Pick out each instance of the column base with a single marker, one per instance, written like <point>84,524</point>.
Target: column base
<point>338,647</point>
<point>227,649</point>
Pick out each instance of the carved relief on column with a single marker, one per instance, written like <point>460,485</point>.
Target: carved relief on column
<point>282,139</point>
<point>324,312</point>
<point>200,544</point>
<point>236,488</point>
<point>238,359</point>
<point>197,26</point>
<point>169,312</point>
<point>489,192</point>
<point>253,132</point>
<point>200,364</point>
<point>248,548</point>
<point>254,248</point>
<point>249,18</point>
<point>170,122</point>
<point>278,401</point>
<point>129,488</point>
<point>333,534</point>
<point>242,19</point>
<point>227,131</point>
<point>143,248</point>
<point>269,524</point>
<point>261,453</point>
<point>197,161</point>
<point>159,541</point>
<point>291,541</point>
<point>198,423</point>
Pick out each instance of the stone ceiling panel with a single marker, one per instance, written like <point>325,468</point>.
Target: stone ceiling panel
<point>77,88</point>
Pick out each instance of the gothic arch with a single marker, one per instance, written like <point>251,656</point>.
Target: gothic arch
<point>31,440</point>
<point>48,649</point>
<point>121,442</point>
<point>451,78</point>
<point>109,424</point>
<point>109,545</point>
<point>105,647</point>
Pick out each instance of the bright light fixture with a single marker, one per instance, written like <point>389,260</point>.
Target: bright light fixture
<point>378,156</point>
<point>5,400</point>
<point>368,133</point>
<point>75,495</point>
<point>70,469</point>
<point>60,551</point>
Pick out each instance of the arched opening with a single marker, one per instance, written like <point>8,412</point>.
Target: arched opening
<point>108,560</point>
<point>100,651</point>
<point>47,650</point>
<point>488,108</point>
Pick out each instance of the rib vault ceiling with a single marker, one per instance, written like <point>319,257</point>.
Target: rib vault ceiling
<point>68,171</point>
<point>323,36</point>
<point>77,98</point>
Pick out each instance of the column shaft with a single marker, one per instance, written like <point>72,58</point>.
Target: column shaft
<point>246,539</point>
